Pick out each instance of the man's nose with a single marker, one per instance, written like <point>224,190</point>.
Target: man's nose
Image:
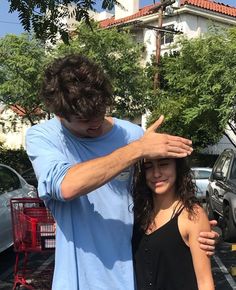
<point>96,122</point>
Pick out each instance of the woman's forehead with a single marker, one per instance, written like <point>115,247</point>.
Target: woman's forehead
<point>157,160</point>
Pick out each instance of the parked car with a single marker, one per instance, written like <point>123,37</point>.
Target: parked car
<point>201,178</point>
<point>30,177</point>
<point>11,185</point>
<point>221,194</point>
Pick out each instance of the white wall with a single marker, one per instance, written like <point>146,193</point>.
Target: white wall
<point>130,7</point>
<point>149,40</point>
<point>13,138</point>
<point>190,25</point>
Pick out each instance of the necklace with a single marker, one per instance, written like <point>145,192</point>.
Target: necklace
<point>152,226</point>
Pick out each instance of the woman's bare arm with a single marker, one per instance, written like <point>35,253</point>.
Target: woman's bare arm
<point>201,261</point>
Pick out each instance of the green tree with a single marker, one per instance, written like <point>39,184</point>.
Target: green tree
<point>120,57</point>
<point>22,61</point>
<point>44,17</point>
<point>198,88</point>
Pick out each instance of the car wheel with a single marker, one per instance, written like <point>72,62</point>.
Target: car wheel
<point>228,227</point>
<point>209,210</point>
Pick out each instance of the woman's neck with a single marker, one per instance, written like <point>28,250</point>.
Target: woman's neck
<point>164,202</point>
<point>164,207</point>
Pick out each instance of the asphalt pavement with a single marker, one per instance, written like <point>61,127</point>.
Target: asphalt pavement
<point>40,267</point>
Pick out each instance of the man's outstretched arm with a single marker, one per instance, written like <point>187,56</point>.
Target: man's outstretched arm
<point>84,177</point>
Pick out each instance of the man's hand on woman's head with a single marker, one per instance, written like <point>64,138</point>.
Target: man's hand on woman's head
<point>160,145</point>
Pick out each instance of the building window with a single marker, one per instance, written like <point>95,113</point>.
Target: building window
<point>2,127</point>
<point>167,37</point>
<point>14,126</point>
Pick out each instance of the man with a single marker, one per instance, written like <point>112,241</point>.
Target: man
<point>83,161</point>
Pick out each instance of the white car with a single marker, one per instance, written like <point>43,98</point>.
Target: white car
<point>11,185</point>
<point>201,178</point>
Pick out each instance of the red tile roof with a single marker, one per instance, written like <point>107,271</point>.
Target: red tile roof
<point>20,111</point>
<point>148,10</point>
<point>142,12</point>
<point>212,6</point>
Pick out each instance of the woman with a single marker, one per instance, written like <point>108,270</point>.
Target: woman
<point>168,219</point>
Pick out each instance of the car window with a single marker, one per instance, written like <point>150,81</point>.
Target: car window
<point>220,164</point>
<point>9,181</point>
<point>225,167</point>
<point>201,174</point>
<point>233,170</point>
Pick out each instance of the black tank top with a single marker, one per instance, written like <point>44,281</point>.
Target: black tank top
<point>162,261</point>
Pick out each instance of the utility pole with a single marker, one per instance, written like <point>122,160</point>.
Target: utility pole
<point>156,83</point>
<point>161,9</point>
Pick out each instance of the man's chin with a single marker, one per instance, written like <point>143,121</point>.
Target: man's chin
<point>94,133</point>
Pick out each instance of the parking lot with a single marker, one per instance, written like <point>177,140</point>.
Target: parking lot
<point>41,265</point>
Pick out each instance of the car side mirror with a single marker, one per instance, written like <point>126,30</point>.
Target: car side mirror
<point>218,175</point>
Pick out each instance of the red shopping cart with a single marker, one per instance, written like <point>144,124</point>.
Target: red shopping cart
<point>33,231</point>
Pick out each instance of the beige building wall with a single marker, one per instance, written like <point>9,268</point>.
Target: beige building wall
<point>130,7</point>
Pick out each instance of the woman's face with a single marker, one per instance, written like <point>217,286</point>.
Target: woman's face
<point>161,175</point>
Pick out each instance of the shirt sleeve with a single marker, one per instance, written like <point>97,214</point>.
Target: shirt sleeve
<point>49,162</point>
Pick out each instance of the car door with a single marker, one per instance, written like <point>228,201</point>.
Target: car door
<point>10,186</point>
<point>219,186</point>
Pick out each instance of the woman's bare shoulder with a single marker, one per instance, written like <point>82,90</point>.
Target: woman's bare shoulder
<point>198,214</point>
<point>197,220</point>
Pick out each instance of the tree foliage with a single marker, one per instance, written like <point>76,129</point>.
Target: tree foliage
<point>198,88</point>
<point>22,61</point>
<point>15,158</point>
<point>120,57</point>
<point>45,17</point>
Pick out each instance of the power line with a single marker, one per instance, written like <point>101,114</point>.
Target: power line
<point>9,22</point>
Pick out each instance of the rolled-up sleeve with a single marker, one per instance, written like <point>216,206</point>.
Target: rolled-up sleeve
<point>49,163</point>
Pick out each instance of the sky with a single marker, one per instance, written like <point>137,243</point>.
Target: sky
<point>9,22</point>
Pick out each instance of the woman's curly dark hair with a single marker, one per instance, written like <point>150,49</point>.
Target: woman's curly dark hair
<point>74,85</point>
<point>143,198</point>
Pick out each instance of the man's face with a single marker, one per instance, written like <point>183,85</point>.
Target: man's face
<point>89,128</point>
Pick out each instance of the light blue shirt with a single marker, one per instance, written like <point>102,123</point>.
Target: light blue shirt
<point>93,233</point>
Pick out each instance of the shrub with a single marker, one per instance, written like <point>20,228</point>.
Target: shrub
<point>15,158</point>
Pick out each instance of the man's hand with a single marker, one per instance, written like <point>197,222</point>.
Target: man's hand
<point>208,240</point>
<point>156,145</point>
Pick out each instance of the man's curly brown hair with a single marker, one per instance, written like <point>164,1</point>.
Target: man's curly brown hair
<point>143,198</point>
<point>74,85</point>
